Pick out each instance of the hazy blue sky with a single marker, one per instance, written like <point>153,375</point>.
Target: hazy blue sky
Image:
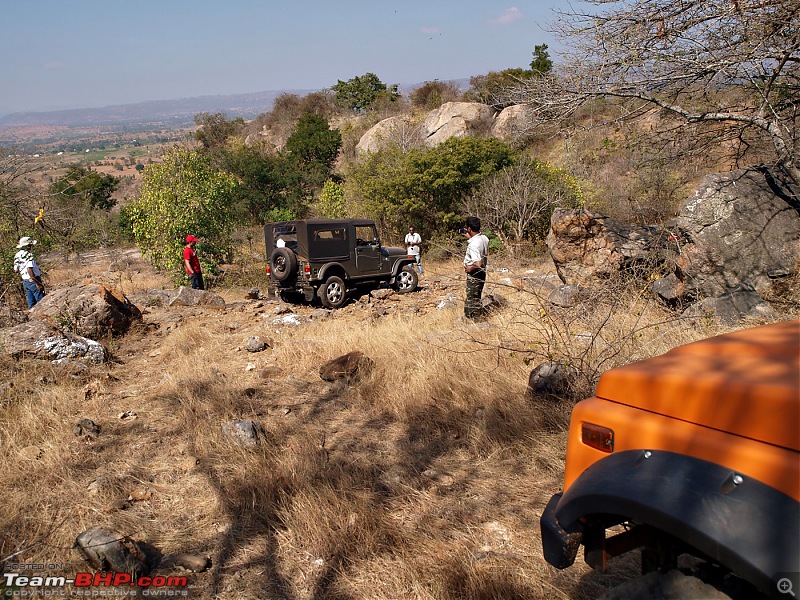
<point>88,53</point>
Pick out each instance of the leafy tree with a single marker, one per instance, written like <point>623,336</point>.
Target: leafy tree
<point>76,212</point>
<point>516,203</point>
<point>319,103</point>
<point>493,88</point>
<point>541,63</point>
<point>214,130</point>
<point>496,87</point>
<point>280,185</point>
<point>426,185</point>
<point>359,93</point>
<point>314,146</point>
<point>90,187</point>
<point>331,203</point>
<point>182,194</point>
<point>71,213</point>
<point>432,94</point>
<point>270,185</point>
<point>288,109</point>
<point>287,105</point>
<point>727,72</point>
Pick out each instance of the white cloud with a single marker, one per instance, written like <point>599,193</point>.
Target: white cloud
<point>507,16</point>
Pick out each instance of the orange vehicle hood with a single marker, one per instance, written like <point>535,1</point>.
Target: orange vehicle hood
<point>746,383</point>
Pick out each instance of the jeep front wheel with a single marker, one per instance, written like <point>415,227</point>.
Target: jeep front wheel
<point>333,292</point>
<point>406,280</point>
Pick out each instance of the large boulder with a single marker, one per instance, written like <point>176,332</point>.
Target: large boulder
<point>397,129</point>
<point>186,296</point>
<point>741,229</point>
<point>38,339</point>
<point>456,119</point>
<point>552,378</point>
<point>587,247</point>
<point>90,310</point>
<point>734,236</point>
<point>452,119</point>
<point>512,122</point>
<point>350,367</point>
<point>732,307</point>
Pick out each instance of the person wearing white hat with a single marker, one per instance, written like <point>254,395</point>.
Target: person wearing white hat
<point>25,265</point>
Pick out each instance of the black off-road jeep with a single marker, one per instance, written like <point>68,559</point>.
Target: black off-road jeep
<point>325,258</point>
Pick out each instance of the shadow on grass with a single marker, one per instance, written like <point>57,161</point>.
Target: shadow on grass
<point>331,496</point>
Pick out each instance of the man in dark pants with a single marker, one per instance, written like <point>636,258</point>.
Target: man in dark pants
<point>25,265</point>
<point>475,267</point>
<point>192,263</point>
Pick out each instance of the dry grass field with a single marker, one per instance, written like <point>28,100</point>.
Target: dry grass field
<point>425,479</point>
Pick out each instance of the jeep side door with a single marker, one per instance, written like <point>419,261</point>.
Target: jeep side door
<point>367,249</point>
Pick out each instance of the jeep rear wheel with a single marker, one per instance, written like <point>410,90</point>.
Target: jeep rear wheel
<point>406,280</point>
<point>282,263</point>
<point>333,292</point>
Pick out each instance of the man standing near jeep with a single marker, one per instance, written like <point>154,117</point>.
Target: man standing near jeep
<point>475,266</point>
<point>412,241</point>
<point>192,263</point>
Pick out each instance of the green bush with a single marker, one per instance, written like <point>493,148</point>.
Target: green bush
<point>182,195</point>
<point>425,185</point>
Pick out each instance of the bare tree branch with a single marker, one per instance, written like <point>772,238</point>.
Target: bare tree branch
<point>734,64</point>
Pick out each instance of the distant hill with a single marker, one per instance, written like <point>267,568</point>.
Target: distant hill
<point>169,113</point>
<point>176,112</point>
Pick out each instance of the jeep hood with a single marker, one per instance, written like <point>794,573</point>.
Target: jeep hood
<point>392,251</point>
<point>746,382</point>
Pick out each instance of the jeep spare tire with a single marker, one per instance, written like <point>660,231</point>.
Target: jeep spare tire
<point>333,292</point>
<point>282,264</point>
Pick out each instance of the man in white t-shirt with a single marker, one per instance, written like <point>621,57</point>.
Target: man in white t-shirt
<point>413,240</point>
<point>475,267</point>
<point>25,265</point>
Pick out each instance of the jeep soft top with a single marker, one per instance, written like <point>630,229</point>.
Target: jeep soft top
<point>315,239</point>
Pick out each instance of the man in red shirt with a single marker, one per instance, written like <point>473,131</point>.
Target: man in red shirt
<point>192,263</point>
